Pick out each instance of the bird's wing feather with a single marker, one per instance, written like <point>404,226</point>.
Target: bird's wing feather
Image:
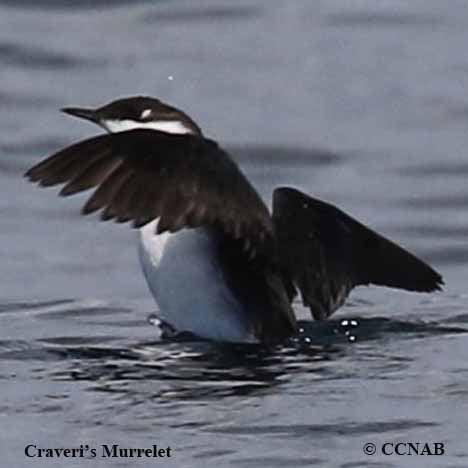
<point>141,175</point>
<point>325,253</point>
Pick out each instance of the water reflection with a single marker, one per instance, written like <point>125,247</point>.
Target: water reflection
<point>188,369</point>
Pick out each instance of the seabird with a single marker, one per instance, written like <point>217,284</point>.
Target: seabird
<point>217,262</point>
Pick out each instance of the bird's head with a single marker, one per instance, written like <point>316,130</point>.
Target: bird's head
<point>139,112</point>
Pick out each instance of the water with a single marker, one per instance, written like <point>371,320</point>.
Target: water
<point>361,103</point>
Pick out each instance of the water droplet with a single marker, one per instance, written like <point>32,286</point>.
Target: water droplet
<point>153,320</point>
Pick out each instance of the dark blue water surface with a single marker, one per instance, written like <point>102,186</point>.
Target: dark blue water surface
<point>364,104</point>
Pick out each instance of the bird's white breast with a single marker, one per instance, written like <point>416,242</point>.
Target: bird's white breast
<point>186,280</point>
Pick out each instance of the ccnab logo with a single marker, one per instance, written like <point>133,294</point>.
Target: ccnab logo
<point>413,448</point>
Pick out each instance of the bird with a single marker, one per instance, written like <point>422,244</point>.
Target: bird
<point>218,262</point>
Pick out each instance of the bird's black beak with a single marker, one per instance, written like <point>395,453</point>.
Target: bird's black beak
<point>82,113</point>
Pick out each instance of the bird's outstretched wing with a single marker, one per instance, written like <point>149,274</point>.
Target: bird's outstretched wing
<point>141,175</point>
<point>325,253</point>
<point>186,181</point>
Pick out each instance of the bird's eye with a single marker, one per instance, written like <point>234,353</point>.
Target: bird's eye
<point>145,114</point>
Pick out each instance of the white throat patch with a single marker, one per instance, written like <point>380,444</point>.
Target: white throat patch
<point>167,126</point>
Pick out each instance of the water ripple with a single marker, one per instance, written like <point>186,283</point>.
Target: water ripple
<point>16,100</point>
<point>284,156</point>
<point>443,169</point>
<point>437,202</point>
<point>27,57</point>
<point>71,4</point>
<point>448,255</point>
<point>196,14</point>
<point>16,307</point>
<point>384,20</point>
<point>202,369</point>
<point>38,147</point>
<point>279,461</point>
<point>325,430</point>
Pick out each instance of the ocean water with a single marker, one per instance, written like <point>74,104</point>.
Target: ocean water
<point>363,104</point>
